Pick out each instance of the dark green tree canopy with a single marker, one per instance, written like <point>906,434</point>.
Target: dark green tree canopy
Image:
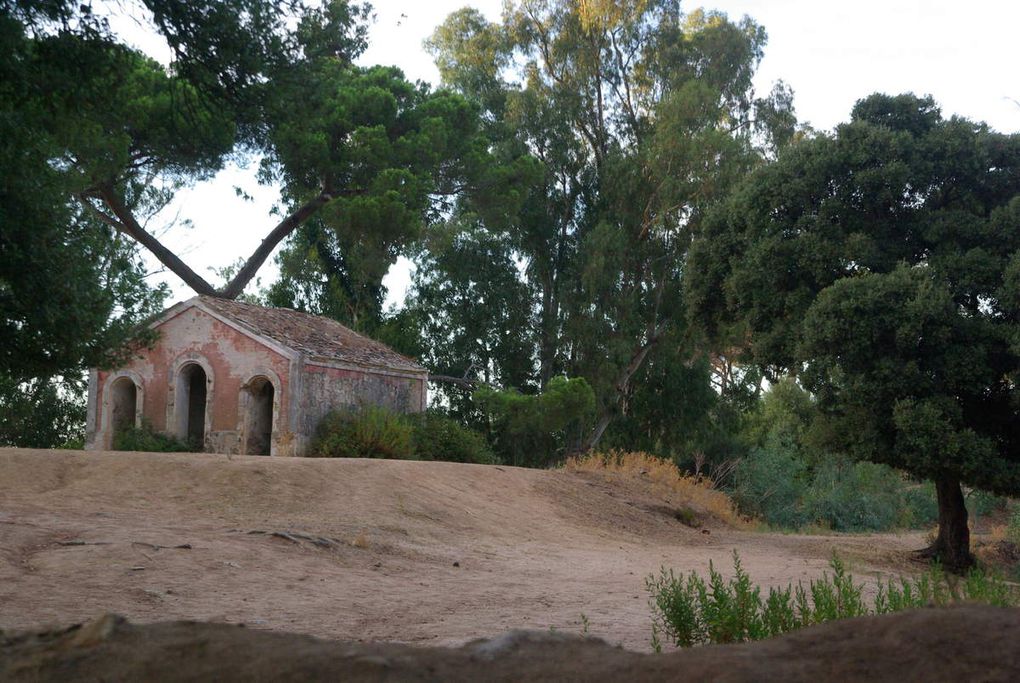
<point>879,265</point>
<point>355,147</point>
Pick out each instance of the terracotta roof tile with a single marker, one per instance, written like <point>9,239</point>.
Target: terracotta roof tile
<point>315,336</point>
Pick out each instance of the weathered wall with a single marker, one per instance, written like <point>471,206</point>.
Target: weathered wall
<point>325,388</point>
<point>230,359</point>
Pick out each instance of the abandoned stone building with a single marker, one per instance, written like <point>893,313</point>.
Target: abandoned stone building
<point>232,377</point>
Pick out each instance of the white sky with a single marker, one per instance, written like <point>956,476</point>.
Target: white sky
<point>832,53</point>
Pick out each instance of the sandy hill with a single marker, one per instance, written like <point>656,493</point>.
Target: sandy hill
<point>421,553</point>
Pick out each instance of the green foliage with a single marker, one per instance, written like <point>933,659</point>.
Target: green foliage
<point>145,438</point>
<point>672,409</point>
<point>71,291</point>
<point>376,432</point>
<point>856,496</point>
<point>537,430</point>
<point>365,432</point>
<point>41,413</point>
<point>783,415</point>
<point>877,263</point>
<point>770,484</point>
<point>472,311</point>
<point>691,611</point>
<point>440,437</point>
<point>790,482</point>
<point>779,486</point>
<point>640,118</point>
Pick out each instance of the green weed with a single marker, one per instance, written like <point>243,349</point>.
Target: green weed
<point>688,610</point>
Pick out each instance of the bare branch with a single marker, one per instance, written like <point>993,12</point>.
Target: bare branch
<point>126,223</point>
<point>285,227</point>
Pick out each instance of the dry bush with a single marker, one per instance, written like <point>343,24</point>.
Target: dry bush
<point>697,492</point>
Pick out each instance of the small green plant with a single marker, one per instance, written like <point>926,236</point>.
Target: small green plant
<point>585,624</point>
<point>145,438</point>
<point>656,641</point>
<point>691,611</point>
<point>364,432</point>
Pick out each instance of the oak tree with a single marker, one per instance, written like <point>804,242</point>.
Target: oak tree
<point>880,265</point>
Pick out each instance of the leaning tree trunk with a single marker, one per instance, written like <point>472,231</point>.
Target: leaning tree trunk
<point>952,546</point>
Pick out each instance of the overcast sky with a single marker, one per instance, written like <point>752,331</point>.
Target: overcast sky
<point>832,53</point>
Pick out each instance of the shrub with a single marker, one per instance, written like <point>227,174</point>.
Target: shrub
<point>920,506</point>
<point>691,611</point>
<point>439,437</point>
<point>777,485</point>
<point>537,430</point>
<point>364,432</point>
<point>145,438</point>
<point>770,484</point>
<point>377,432</point>
<point>855,496</point>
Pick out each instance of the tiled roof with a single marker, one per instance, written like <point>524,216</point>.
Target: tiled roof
<point>315,336</point>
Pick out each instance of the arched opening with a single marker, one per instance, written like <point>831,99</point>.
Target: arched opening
<point>123,404</point>
<point>191,399</point>
<point>259,428</point>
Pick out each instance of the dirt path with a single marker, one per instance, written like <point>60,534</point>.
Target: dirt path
<point>422,553</point>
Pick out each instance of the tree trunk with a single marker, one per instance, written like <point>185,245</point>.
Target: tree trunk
<point>952,546</point>
<point>622,383</point>
<point>284,228</point>
<point>547,348</point>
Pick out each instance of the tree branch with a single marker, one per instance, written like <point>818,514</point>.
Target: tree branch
<point>462,382</point>
<point>285,227</point>
<point>126,223</point>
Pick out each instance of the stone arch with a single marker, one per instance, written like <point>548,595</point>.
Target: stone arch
<point>259,412</point>
<point>191,392</point>
<point>123,401</point>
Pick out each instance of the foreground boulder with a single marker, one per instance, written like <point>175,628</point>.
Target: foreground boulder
<point>954,644</point>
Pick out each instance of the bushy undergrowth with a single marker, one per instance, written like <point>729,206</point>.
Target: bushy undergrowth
<point>145,438</point>
<point>438,437</point>
<point>790,480</point>
<point>785,491</point>
<point>376,432</point>
<point>365,432</point>
<point>537,430</point>
<point>688,610</point>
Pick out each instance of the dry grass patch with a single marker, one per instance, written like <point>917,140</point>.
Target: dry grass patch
<point>696,492</point>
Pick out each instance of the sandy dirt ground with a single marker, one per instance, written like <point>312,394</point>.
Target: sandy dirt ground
<point>417,553</point>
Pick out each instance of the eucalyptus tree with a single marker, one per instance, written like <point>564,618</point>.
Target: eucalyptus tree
<point>641,117</point>
<point>881,266</point>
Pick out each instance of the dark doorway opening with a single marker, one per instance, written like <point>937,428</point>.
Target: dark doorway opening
<point>124,401</point>
<point>260,417</point>
<point>191,394</point>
